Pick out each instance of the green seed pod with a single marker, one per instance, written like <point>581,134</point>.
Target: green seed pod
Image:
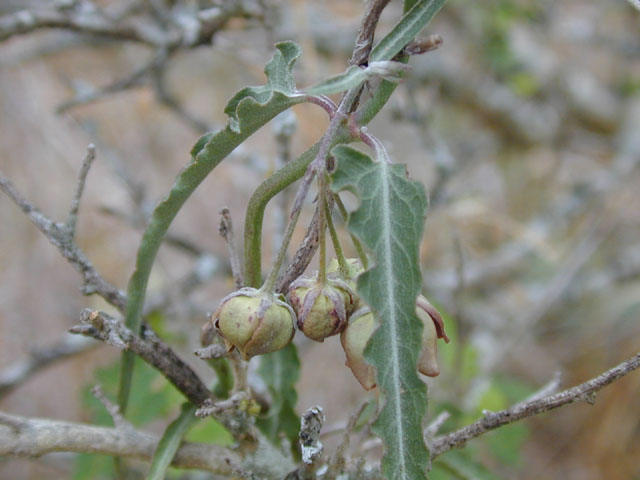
<point>321,309</point>
<point>356,335</point>
<point>354,339</point>
<point>254,322</point>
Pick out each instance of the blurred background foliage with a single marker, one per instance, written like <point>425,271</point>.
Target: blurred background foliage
<point>524,128</point>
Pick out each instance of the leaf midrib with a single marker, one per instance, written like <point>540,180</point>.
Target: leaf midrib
<point>392,315</point>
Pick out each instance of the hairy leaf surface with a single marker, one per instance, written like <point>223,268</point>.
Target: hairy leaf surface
<point>248,110</point>
<point>389,221</point>
<point>404,32</point>
<point>406,29</point>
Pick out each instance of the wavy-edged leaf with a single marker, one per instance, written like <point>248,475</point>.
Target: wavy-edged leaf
<point>280,86</point>
<point>406,29</point>
<point>248,110</point>
<point>170,441</point>
<point>389,221</point>
<point>281,370</point>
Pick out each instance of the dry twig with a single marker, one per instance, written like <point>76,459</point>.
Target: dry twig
<point>492,420</point>
<point>149,347</point>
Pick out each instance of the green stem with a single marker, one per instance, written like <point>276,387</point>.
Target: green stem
<point>342,262</point>
<point>277,182</point>
<point>202,163</point>
<point>322,188</point>
<point>356,243</point>
<point>319,164</point>
<point>270,282</point>
<point>292,172</point>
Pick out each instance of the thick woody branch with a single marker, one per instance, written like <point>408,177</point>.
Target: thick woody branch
<point>492,420</point>
<point>32,437</point>
<point>112,331</point>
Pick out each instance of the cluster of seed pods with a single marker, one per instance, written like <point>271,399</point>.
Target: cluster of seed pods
<point>256,322</point>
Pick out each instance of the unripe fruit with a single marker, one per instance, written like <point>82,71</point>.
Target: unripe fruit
<point>254,322</point>
<point>321,309</point>
<point>354,339</point>
<point>356,335</point>
<point>433,329</point>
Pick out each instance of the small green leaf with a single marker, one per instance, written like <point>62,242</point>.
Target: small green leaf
<point>389,221</point>
<point>170,441</point>
<point>352,77</point>
<point>403,33</point>
<point>406,29</point>
<point>248,110</point>
<point>280,371</point>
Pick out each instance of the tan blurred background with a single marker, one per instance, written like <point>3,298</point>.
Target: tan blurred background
<point>524,128</point>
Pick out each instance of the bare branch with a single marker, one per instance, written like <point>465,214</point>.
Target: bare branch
<point>39,358</point>
<point>305,252</point>
<point>232,403</point>
<point>32,437</point>
<point>59,236</point>
<point>312,422</point>
<point>114,410</point>
<point>583,392</point>
<point>89,94</point>
<point>302,257</point>
<point>213,351</point>
<point>310,444</point>
<point>435,425</point>
<point>87,22</point>
<point>549,389</point>
<point>364,41</point>
<point>149,347</point>
<point>338,462</point>
<point>91,21</point>
<point>82,178</point>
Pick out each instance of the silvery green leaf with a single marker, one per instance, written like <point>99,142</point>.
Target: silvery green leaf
<point>389,221</point>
